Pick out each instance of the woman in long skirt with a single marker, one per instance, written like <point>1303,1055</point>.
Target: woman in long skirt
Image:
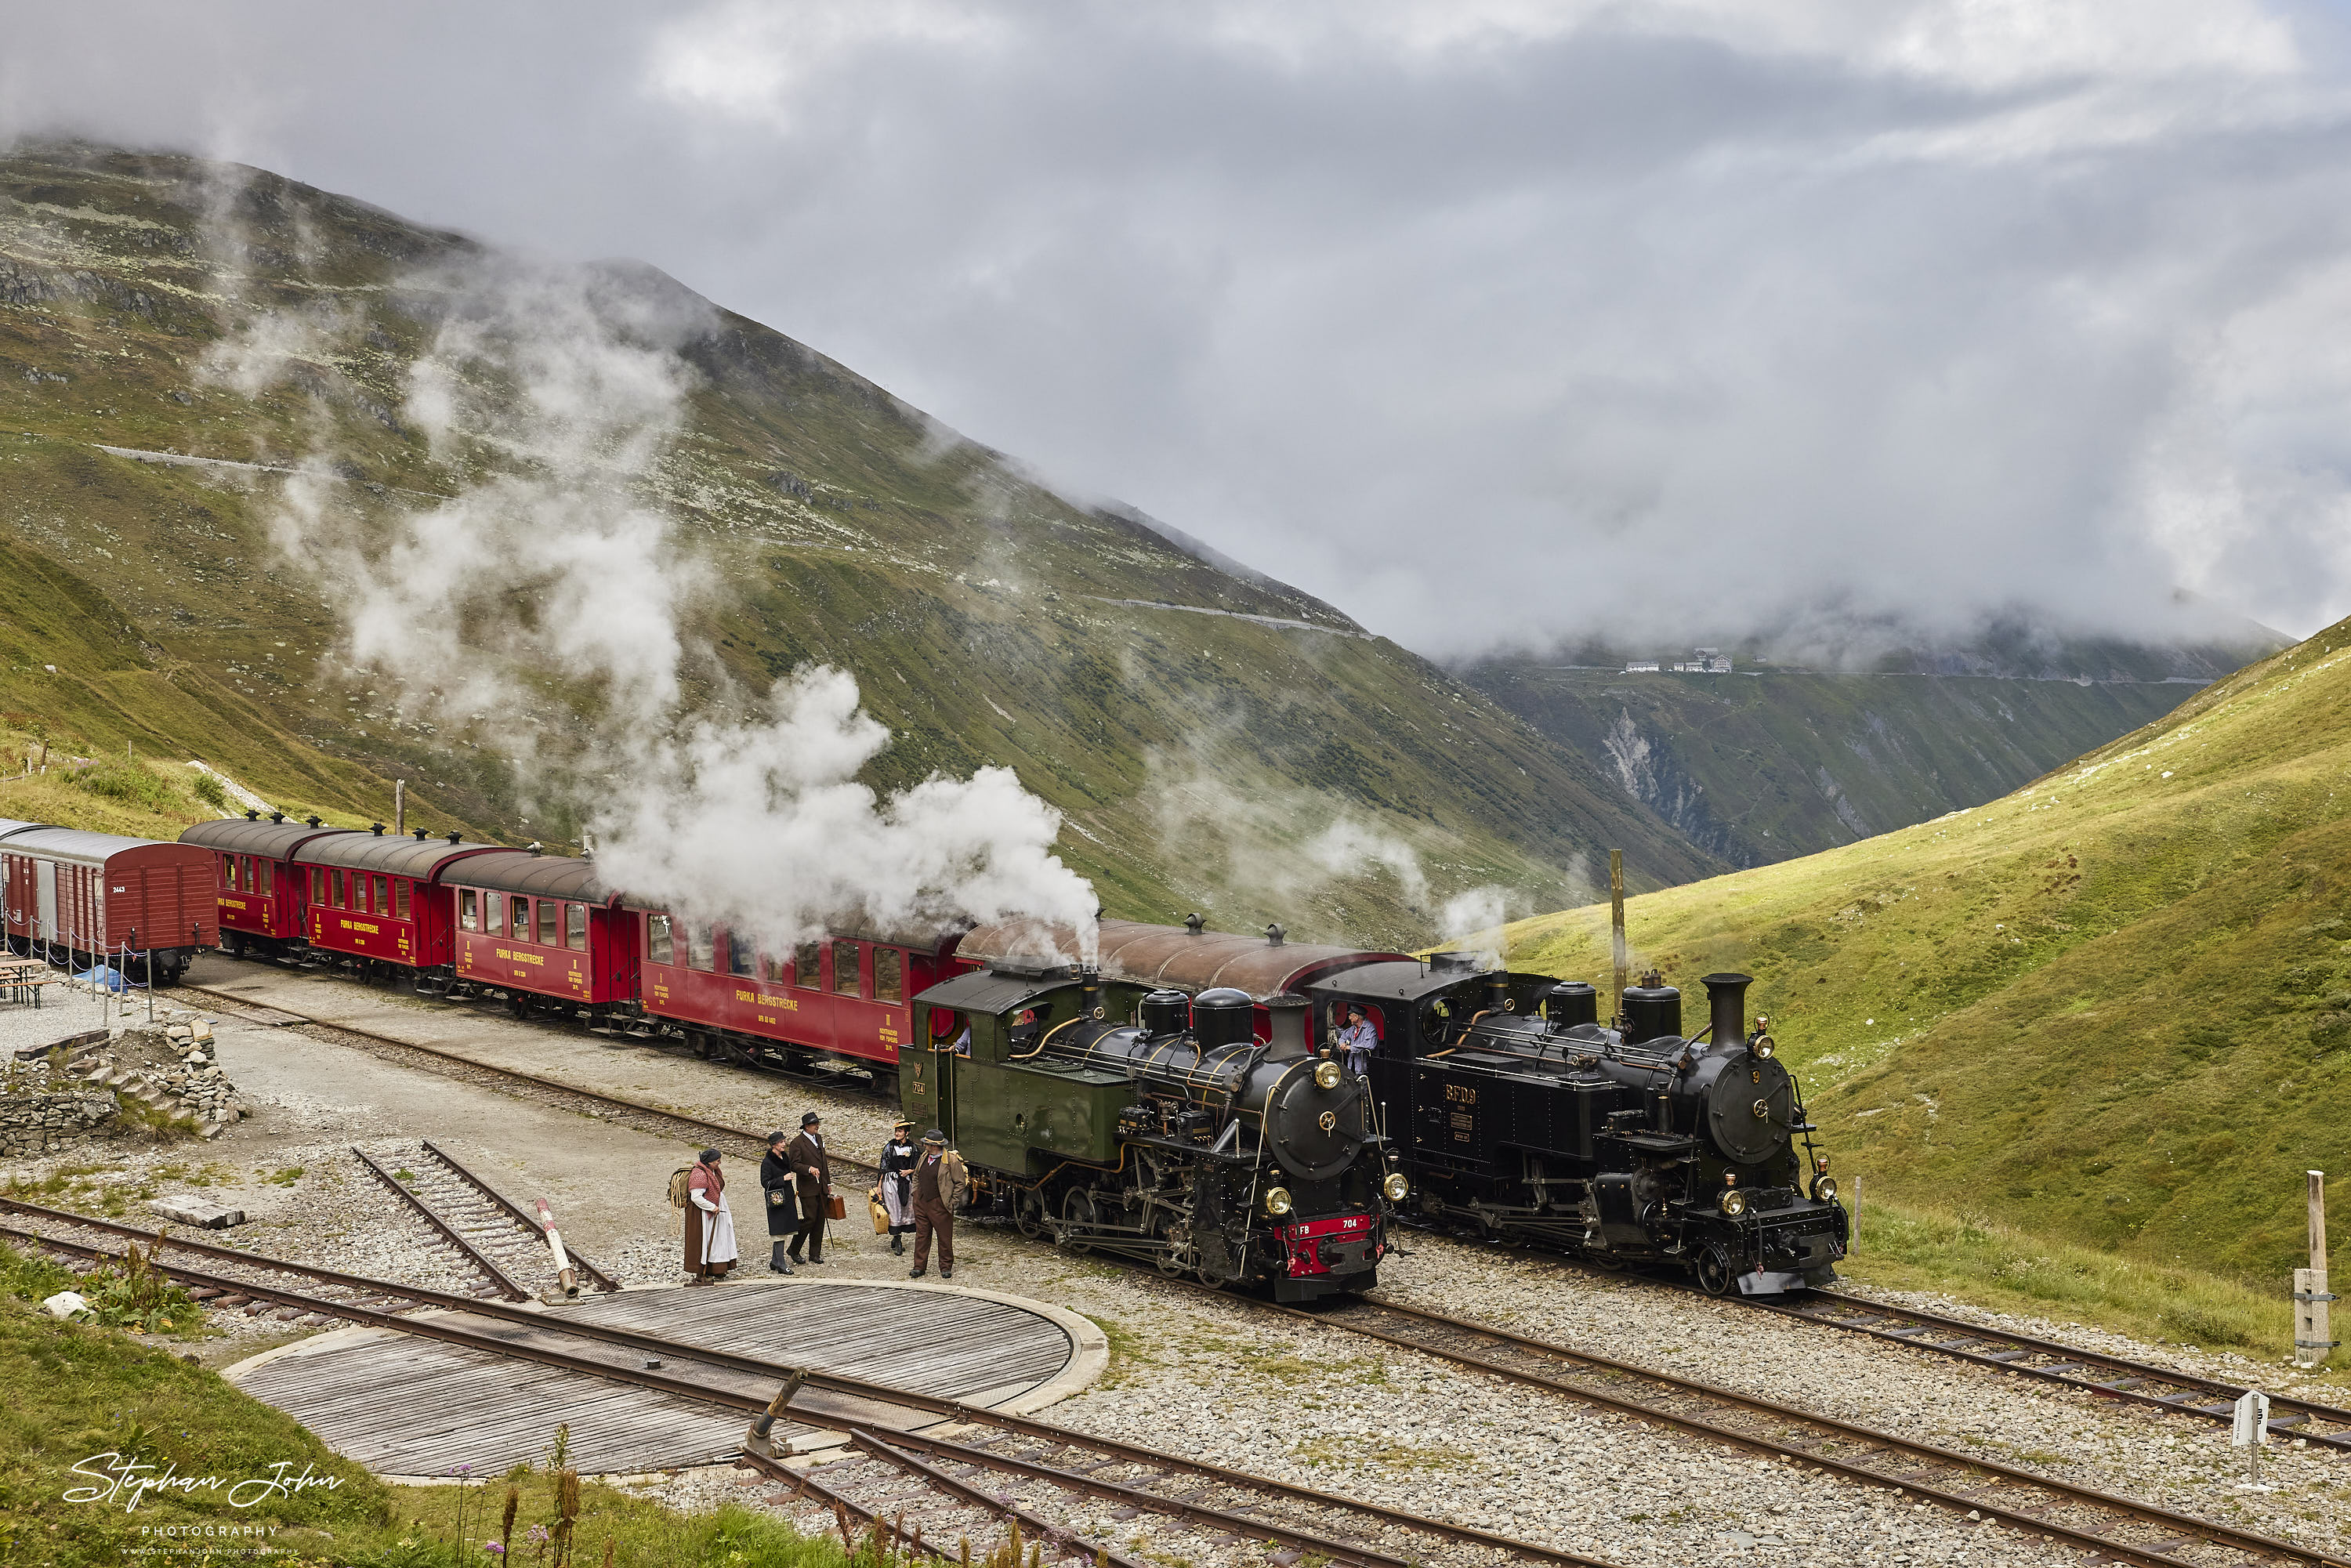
<point>896,1188</point>
<point>709,1223</point>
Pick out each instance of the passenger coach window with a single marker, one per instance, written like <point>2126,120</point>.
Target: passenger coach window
<point>575,926</point>
<point>228,872</point>
<point>805,966</point>
<point>469,910</point>
<point>657,939</point>
<point>494,914</point>
<point>549,915</point>
<point>518,912</point>
<point>400,899</point>
<point>740,952</point>
<point>774,970</point>
<point>335,885</point>
<point>889,975</point>
<point>701,952</point>
<point>266,879</point>
<point>382,895</point>
<point>318,886</point>
<point>844,969</point>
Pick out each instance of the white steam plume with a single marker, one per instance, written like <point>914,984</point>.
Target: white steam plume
<point>551,573</point>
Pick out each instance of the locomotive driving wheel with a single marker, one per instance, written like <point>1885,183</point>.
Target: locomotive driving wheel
<point>1714,1276</point>
<point>1078,1209</point>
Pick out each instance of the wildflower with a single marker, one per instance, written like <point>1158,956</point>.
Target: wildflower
<point>494,1546</point>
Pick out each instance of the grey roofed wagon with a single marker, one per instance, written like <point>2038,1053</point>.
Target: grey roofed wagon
<point>73,846</point>
<point>541,876</point>
<point>237,836</point>
<point>10,828</point>
<point>1172,955</point>
<point>418,858</point>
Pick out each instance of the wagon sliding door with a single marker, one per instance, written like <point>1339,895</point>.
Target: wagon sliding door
<point>45,924</point>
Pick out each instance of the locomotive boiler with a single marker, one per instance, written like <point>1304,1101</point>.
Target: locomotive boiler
<point>1158,1125</point>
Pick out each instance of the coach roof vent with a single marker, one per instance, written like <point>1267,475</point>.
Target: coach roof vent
<point>453,836</point>
<point>1192,924</point>
<point>376,828</point>
<point>422,835</point>
<point>313,822</point>
<point>536,848</point>
<point>1274,934</point>
<point>276,816</point>
<point>253,816</point>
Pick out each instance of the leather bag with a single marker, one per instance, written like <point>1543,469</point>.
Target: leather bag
<point>837,1206</point>
<point>881,1217</point>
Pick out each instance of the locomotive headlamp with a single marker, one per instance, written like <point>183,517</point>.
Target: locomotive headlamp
<point>1734,1202</point>
<point>1277,1201</point>
<point>1326,1075</point>
<point>1762,1048</point>
<point>1396,1186</point>
<point>1825,1190</point>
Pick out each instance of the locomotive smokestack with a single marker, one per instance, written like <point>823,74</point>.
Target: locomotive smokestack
<point>1286,1032</point>
<point>1089,992</point>
<point>1726,1004</point>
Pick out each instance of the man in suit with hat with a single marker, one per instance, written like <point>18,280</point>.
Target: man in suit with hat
<point>940,1184</point>
<point>812,1173</point>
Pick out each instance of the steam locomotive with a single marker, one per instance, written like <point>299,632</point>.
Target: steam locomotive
<point>1495,1103</point>
<point>1157,1125</point>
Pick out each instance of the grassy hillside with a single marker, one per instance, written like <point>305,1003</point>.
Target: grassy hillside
<point>1195,755</point>
<point>1767,764</point>
<point>2112,1009</point>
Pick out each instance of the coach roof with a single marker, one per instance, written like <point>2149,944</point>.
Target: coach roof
<point>236,836</point>
<point>1171,954</point>
<point>75,847</point>
<point>418,858</point>
<point>541,876</point>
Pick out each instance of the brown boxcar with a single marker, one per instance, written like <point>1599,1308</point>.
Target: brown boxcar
<point>83,897</point>
<point>264,900</point>
<point>543,925</point>
<point>380,900</point>
<point>850,994</point>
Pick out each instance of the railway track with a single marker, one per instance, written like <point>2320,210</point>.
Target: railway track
<point>502,1242</point>
<point>973,1468</point>
<point>2123,1529</point>
<point>2068,1366</point>
<point>655,1119</point>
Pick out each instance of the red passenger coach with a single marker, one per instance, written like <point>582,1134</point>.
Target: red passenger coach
<point>264,900</point>
<point>849,994</point>
<point>90,897</point>
<point>543,925</point>
<point>381,900</point>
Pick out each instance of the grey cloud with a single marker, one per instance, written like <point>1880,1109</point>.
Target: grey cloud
<point>1487,323</point>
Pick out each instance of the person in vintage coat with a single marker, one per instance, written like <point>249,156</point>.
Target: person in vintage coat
<point>709,1224</point>
<point>812,1170</point>
<point>895,1191</point>
<point>940,1184</point>
<point>777,1187</point>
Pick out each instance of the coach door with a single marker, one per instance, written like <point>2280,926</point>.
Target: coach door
<point>45,924</point>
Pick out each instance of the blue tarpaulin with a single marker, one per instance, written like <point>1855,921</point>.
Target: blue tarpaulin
<point>110,978</point>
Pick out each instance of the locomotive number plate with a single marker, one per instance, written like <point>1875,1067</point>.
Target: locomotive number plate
<point>1462,1093</point>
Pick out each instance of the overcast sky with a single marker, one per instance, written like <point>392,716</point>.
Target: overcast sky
<point>1483,320</point>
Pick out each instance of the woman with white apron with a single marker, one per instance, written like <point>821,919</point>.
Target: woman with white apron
<point>895,1191</point>
<point>709,1223</point>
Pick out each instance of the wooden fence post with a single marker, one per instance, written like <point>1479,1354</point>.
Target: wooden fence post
<point>2312,1340</point>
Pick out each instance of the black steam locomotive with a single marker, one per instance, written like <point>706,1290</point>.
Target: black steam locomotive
<point>1530,1121</point>
<point>1158,1125</point>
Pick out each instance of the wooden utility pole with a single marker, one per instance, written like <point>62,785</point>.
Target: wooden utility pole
<point>2312,1342</point>
<point>1616,925</point>
<point>400,808</point>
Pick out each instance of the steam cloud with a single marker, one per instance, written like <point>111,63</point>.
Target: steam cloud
<point>543,609</point>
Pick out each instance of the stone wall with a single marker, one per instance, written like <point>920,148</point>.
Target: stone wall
<point>35,1121</point>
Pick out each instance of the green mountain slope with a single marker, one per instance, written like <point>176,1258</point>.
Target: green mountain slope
<point>2112,1007</point>
<point>1264,760</point>
<point>1765,764</point>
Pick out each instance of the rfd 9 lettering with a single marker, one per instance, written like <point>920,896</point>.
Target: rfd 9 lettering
<point>1462,1092</point>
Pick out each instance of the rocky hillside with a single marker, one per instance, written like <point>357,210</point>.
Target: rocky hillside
<point>1217,740</point>
<point>1770,762</point>
<point>2114,1007</point>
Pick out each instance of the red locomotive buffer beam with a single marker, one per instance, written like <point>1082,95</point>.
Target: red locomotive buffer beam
<point>1315,1245</point>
